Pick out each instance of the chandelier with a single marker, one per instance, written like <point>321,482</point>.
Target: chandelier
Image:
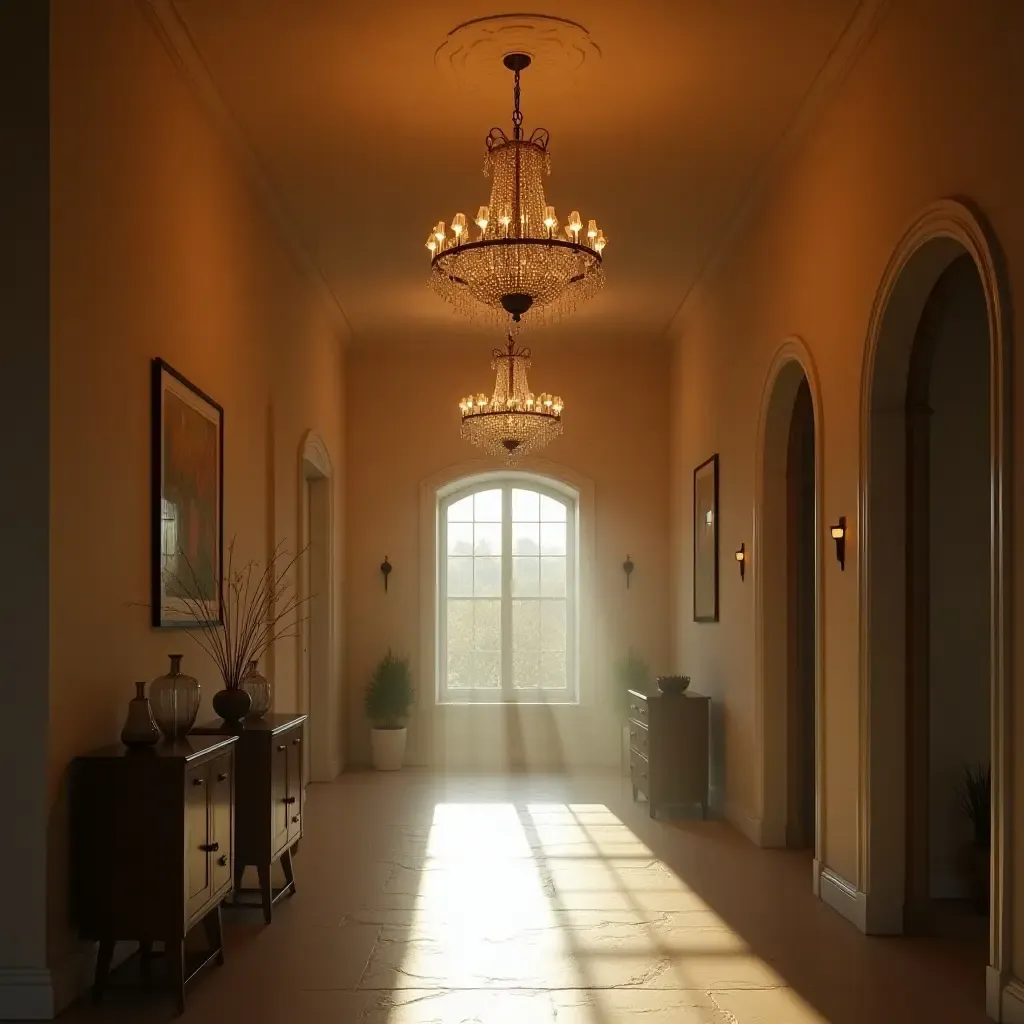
<point>513,421</point>
<point>518,265</point>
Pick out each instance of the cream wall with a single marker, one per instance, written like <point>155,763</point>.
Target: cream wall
<point>922,115</point>
<point>403,431</point>
<point>158,248</point>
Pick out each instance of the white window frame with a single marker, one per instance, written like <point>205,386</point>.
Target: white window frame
<point>507,694</point>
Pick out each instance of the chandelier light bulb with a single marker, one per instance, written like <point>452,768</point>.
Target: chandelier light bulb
<point>458,225</point>
<point>483,218</point>
<point>600,242</point>
<point>432,244</point>
<point>592,229</point>
<point>575,223</point>
<point>439,232</point>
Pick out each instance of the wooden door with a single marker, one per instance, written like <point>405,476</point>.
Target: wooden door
<point>294,797</point>
<point>197,837</point>
<point>279,793</point>
<point>221,783</point>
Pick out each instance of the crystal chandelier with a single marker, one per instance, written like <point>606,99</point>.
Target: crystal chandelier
<point>513,421</point>
<point>518,265</point>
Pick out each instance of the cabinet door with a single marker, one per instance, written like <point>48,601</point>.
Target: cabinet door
<point>221,805</point>
<point>197,838</point>
<point>294,784</point>
<point>279,792</point>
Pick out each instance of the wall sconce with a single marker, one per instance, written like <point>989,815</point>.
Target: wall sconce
<point>627,568</point>
<point>741,557</point>
<point>385,571</point>
<point>839,536</point>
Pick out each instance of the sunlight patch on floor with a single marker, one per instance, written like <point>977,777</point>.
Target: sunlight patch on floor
<point>545,912</point>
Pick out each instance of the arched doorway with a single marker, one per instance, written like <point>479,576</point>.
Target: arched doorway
<point>940,316</point>
<point>788,618</point>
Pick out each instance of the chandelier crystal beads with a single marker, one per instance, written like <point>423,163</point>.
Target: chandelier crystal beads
<point>518,264</point>
<point>513,421</point>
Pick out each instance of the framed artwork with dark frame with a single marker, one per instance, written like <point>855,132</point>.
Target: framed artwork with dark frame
<point>705,541</point>
<point>187,503</point>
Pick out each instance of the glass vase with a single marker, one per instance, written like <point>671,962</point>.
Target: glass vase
<point>175,701</point>
<point>139,728</point>
<point>258,688</point>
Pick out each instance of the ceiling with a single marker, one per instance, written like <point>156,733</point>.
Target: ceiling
<point>369,121</point>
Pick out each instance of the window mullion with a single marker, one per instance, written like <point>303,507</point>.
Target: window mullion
<point>506,591</point>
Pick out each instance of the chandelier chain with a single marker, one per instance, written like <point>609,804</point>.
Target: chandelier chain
<point>517,114</point>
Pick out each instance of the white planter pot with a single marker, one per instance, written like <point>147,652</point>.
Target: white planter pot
<point>388,748</point>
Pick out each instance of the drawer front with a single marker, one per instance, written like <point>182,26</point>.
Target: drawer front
<point>640,773</point>
<point>639,712</point>
<point>294,786</point>
<point>197,830</point>
<point>639,739</point>
<point>221,819</point>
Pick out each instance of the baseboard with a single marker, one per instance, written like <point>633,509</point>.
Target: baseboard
<point>843,897</point>
<point>743,821</point>
<point>1010,1007</point>
<point>26,993</point>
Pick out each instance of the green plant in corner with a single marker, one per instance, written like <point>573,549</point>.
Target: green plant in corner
<point>976,798</point>
<point>631,673</point>
<point>389,694</point>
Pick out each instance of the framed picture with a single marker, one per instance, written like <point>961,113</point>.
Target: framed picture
<point>705,541</point>
<point>187,500</point>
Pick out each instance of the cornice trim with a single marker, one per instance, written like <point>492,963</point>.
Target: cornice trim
<point>169,27</point>
<point>845,53</point>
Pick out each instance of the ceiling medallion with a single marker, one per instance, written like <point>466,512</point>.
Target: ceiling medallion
<point>518,266</point>
<point>514,421</point>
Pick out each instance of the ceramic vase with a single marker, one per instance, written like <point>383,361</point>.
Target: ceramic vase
<point>174,699</point>
<point>258,688</point>
<point>139,728</point>
<point>232,704</point>
<point>388,747</point>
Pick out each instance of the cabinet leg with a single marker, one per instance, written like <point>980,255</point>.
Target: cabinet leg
<point>146,960</point>
<point>212,927</point>
<point>266,893</point>
<point>289,874</point>
<point>650,806</point>
<point>634,794</point>
<point>176,966</point>
<point>103,957</point>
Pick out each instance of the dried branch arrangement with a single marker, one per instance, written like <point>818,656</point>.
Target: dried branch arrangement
<point>259,608</point>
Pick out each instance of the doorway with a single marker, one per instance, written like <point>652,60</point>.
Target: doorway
<point>939,329</point>
<point>948,614</point>
<point>787,598</point>
<point>319,697</point>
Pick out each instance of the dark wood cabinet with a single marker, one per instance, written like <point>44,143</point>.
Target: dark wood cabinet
<point>668,749</point>
<point>152,837</point>
<point>269,800</point>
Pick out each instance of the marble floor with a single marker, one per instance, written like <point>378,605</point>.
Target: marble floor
<point>519,899</point>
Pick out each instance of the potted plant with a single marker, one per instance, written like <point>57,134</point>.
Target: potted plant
<point>976,798</point>
<point>631,673</point>
<point>386,702</point>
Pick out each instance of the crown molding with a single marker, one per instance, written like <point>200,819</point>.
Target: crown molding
<point>852,41</point>
<point>165,20</point>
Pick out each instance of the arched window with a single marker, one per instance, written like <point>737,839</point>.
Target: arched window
<point>507,578</point>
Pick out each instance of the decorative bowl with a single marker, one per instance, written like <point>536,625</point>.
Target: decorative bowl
<point>673,684</point>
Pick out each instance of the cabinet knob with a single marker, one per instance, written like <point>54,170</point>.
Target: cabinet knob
<point>197,781</point>
<point>297,741</point>
<point>223,860</point>
<point>289,799</point>
<point>280,746</point>
<point>295,818</point>
<point>222,777</point>
<point>209,847</point>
